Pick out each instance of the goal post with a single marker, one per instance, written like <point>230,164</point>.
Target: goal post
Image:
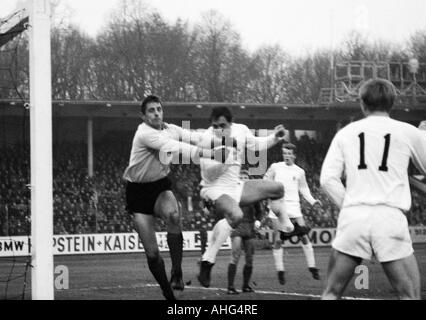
<point>42,286</point>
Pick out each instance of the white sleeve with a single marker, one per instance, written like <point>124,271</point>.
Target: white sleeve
<point>270,173</point>
<point>304,189</point>
<point>418,152</point>
<point>259,143</point>
<point>331,173</point>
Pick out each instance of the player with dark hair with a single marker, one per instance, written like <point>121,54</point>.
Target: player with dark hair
<point>222,185</point>
<point>218,112</point>
<point>294,180</point>
<point>148,189</point>
<point>373,154</point>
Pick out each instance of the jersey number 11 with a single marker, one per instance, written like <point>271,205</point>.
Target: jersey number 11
<point>362,164</point>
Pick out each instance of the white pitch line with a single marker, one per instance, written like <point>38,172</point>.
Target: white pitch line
<point>268,292</point>
<point>152,285</point>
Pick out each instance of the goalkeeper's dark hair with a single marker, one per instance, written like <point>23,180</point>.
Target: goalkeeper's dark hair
<point>148,99</point>
<point>218,112</point>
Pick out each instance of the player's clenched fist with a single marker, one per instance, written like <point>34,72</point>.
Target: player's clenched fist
<point>279,132</point>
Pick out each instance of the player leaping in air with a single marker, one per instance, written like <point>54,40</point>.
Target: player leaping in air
<point>222,185</point>
<point>294,180</point>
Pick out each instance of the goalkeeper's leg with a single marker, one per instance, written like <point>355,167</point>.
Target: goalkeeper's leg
<point>166,206</point>
<point>145,227</point>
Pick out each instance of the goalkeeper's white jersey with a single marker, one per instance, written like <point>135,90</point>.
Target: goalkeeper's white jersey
<point>373,154</point>
<point>294,180</point>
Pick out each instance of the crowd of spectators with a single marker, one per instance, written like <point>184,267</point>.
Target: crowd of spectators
<point>84,204</point>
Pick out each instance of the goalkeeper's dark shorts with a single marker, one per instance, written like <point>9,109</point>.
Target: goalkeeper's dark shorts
<point>141,197</point>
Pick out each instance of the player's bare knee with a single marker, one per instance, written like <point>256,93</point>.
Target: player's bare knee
<point>237,217</point>
<point>235,257</point>
<point>234,218</point>
<point>173,217</point>
<point>278,191</point>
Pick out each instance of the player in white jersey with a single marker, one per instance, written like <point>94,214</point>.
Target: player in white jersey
<point>148,189</point>
<point>294,180</point>
<point>373,154</point>
<point>222,185</point>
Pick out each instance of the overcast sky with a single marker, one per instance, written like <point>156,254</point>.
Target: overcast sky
<point>297,25</point>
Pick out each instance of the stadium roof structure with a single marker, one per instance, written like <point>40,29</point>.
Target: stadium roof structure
<point>409,78</point>
<point>201,110</point>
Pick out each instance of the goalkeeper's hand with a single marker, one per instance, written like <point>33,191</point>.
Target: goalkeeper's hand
<point>279,132</point>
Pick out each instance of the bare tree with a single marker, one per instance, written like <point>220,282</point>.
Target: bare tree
<point>220,60</point>
<point>270,75</point>
<point>71,64</point>
<point>417,45</point>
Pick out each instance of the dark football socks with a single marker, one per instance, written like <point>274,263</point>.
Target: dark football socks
<point>175,243</point>
<point>247,275</point>
<point>156,266</point>
<point>232,270</point>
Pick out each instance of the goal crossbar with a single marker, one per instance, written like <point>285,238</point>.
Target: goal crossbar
<point>13,25</point>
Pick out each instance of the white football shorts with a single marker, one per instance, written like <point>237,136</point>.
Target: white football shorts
<point>293,209</point>
<point>366,231</point>
<point>235,191</point>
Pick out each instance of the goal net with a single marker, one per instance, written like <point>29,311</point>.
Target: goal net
<point>25,82</point>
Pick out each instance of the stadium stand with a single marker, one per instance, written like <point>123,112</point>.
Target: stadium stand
<point>96,205</point>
